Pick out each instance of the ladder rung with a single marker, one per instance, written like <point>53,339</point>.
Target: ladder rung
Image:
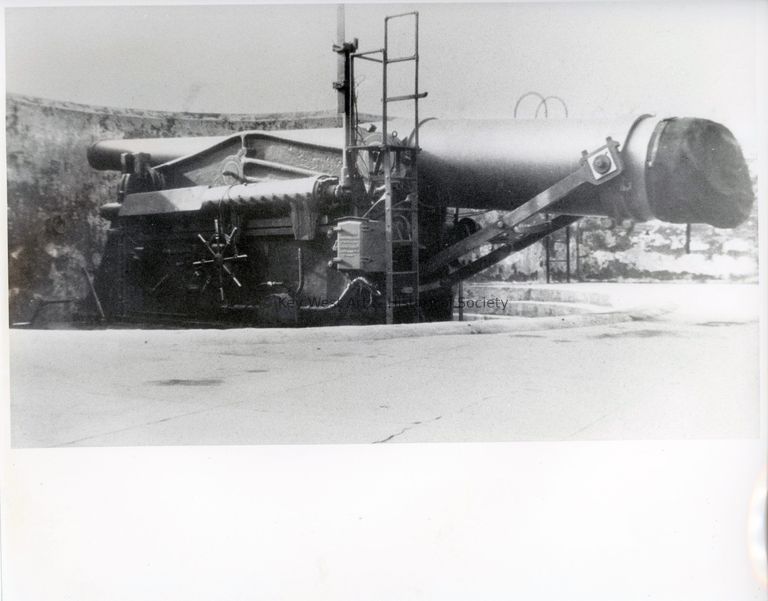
<point>404,272</point>
<point>406,97</point>
<point>382,146</point>
<point>403,304</point>
<point>412,13</point>
<point>402,59</point>
<point>377,51</point>
<point>367,147</point>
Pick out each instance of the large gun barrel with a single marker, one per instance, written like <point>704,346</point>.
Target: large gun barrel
<point>105,154</point>
<point>681,170</point>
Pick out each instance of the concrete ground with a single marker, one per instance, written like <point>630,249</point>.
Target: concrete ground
<point>689,371</point>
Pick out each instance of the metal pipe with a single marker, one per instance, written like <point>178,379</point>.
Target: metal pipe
<point>359,281</point>
<point>93,293</point>
<point>281,167</point>
<point>300,262</point>
<point>105,155</point>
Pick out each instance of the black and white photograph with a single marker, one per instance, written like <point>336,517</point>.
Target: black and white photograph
<point>483,282</point>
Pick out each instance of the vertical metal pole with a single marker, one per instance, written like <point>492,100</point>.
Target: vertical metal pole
<point>414,205</point>
<point>416,85</point>
<point>350,130</point>
<point>340,63</point>
<point>578,251</point>
<point>388,234</point>
<point>88,279</point>
<point>568,254</point>
<point>351,96</point>
<point>687,238</point>
<point>546,256</point>
<point>387,180</point>
<point>123,262</point>
<point>384,82</point>
<point>461,300</point>
<point>345,92</point>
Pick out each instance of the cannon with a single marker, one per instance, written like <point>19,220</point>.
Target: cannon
<point>361,224</point>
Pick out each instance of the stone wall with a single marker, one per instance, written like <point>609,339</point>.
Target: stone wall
<point>651,251</point>
<point>54,229</point>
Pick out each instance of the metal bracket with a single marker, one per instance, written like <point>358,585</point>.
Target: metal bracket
<point>500,253</point>
<point>597,167</point>
<point>604,163</point>
<point>137,175</point>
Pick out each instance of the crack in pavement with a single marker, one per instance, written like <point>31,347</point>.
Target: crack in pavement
<point>434,419</point>
<point>476,403</point>
<point>143,425</point>
<point>592,423</point>
<point>206,409</point>
<point>404,430</point>
<point>147,395</point>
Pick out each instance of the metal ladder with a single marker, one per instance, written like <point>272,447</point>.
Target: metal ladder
<point>401,203</point>
<point>401,199</point>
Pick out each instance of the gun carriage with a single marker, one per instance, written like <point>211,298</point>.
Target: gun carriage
<point>362,224</point>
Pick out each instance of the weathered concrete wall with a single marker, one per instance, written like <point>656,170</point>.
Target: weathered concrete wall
<point>54,230</point>
<point>657,251</point>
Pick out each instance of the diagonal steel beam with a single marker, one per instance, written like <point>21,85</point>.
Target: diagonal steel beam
<point>586,173</point>
<point>503,251</point>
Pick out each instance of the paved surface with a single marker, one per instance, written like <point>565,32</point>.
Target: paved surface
<point>689,373</point>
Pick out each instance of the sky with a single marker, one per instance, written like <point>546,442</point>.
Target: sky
<point>604,59</point>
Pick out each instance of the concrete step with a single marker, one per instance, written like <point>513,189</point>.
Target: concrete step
<point>565,293</point>
<point>530,309</point>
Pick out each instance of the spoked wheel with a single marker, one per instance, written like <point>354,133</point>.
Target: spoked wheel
<point>222,252</point>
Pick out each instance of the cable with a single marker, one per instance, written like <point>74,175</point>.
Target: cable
<point>544,103</point>
<point>524,96</point>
